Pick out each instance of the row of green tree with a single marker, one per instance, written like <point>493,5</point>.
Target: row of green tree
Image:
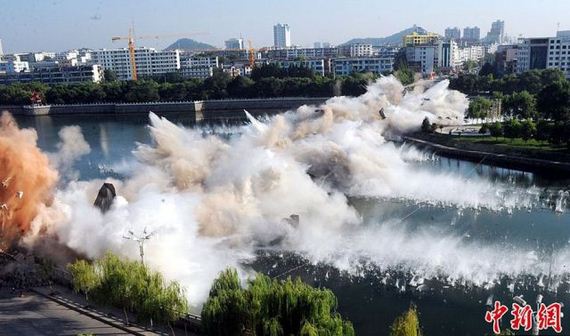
<point>264,306</point>
<point>266,82</point>
<point>535,103</point>
<point>532,81</point>
<point>554,132</point>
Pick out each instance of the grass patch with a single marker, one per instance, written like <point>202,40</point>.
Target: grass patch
<point>510,142</point>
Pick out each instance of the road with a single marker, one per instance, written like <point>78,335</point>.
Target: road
<point>33,314</point>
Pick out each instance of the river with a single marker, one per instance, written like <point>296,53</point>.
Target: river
<point>420,233</point>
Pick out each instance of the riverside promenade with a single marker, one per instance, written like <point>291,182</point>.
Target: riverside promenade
<point>58,311</point>
<point>506,160</point>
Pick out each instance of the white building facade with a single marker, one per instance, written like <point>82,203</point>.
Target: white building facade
<point>148,61</point>
<point>317,65</point>
<point>378,65</point>
<point>448,55</point>
<point>281,36</point>
<point>360,50</point>
<point>234,44</point>
<point>423,58</point>
<point>545,53</point>
<point>13,66</point>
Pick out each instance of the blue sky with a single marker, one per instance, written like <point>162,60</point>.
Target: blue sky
<point>56,25</point>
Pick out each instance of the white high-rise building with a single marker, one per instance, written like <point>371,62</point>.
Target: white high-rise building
<point>497,33</point>
<point>1,50</point>
<point>234,44</point>
<point>448,54</point>
<point>453,33</point>
<point>281,36</point>
<point>148,61</point>
<point>471,34</point>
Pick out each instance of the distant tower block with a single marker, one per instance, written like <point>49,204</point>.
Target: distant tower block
<point>1,50</point>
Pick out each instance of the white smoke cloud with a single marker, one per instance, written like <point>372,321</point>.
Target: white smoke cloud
<point>212,201</point>
<point>72,147</point>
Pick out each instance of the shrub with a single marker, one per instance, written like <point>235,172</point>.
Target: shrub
<point>270,307</point>
<point>496,129</point>
<point>484,129</point>
<point>130,285</point>
<point>408,324</point>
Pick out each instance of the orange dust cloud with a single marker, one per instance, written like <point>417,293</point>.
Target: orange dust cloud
<point>26,179</point>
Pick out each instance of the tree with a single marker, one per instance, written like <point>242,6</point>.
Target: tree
<point>496,129</point>
<point>512,128</point>
<point>270,307</point>
<point>479,108</point>
<point>470,66</point>
<point>267,70</point>
<point>520,104</point>
<point>216,86</point>
<point>554,101</point>
<point>405,75</point>
<point>487,69</point>
<point>408,324</point>
<point>528,129</point>
<point>543,130</point>
<point>110,75</point>
<point>142,91</point>
<point>85,280</point>
<point>241,87</point>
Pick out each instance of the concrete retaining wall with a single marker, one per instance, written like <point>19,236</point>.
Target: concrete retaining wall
<point>208,110</point>
<point>496,159</point>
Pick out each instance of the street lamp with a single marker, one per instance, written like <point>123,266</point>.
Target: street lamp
<point>140,240</point>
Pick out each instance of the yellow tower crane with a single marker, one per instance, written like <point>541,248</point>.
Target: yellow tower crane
<point>251,54</point>
<point>131,44</point>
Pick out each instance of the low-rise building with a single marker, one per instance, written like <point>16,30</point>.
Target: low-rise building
<point>148,61</point>
<point>506,59</point>
<point>235,70</point>
<point>200,61</point>
<point>317,65</point>
<point>378,65</point>
<point>13,66</point>
<point>471,53</point>
<point>360,50</point>
<point>415,39</point>
<point>545,53</point>
<point>201,72</point>
<point>293,53</point>
<point>422,58</point>
<point>58,75</point>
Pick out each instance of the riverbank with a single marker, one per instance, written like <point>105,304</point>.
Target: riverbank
<point>199,111</point>
<point>551,160</point>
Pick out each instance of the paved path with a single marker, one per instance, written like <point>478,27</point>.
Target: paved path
<point>33,314</point>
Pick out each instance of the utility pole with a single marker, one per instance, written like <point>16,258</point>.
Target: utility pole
<point>140,240</point>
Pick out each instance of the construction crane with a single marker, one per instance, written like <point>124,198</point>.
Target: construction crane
<point>251,54</point>
<point>131,44</point>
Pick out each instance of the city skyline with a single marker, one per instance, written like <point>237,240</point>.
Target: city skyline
<point>60,24</point>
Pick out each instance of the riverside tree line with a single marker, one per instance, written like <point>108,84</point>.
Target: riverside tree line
<point>535,104</point>
<point>267,81</point>
<point>260,306</point>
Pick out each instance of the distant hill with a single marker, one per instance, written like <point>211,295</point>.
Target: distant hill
<point>394,39</point>
<point>189,45</point>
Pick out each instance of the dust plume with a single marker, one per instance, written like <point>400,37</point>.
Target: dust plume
<point>27,179</point>
<point>214,201</point>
